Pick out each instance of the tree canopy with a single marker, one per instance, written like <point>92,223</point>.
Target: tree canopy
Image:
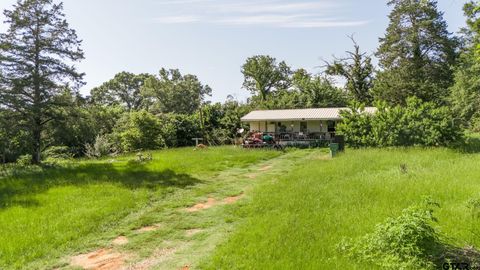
<point>416,54</point>
<point>36,56</point>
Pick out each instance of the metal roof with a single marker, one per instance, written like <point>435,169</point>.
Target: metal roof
<point>299,114</point>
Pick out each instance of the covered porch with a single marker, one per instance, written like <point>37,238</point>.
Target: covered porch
<point>313,130</point>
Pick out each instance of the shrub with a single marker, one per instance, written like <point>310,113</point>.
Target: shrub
<point>139,131</point>
<point>417,123</point>
<point>100,148</point>
<point>24,160</point>
<point>57,152</point>
<point>406,242</point>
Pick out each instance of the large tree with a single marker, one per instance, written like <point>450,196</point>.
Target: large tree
<point>358,70</point>
<point>416,54</point>
<point>465,96</point>
<point>172,92</point>
<point>124,89</point>
<point>263,75</point>
<point>36,61</point>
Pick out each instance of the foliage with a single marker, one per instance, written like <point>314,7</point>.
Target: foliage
<point>417,123</point>
<point>139,131</point>
<point>36,56</point>
<point>465,93</point>
<point>317,91</point>
<point>57,152</point>
<point>15,140</point>
<point>357,69</point>
<point>415,55</point>
<point>124,89</point>
<point>406,242</point>
<point>100,148</point>
<point>24,160</point>
<point>172,92</point>
<point>222,121</point>
<point>262,75</point>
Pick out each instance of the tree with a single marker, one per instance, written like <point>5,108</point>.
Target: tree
<point>358,70</point>
<point>262,75</point>
<point>124,89</point>
<point>317,91</point>
<point>36,56</point>
<point>465,96</point>
<point>172,92</point>
<point>416,54</point>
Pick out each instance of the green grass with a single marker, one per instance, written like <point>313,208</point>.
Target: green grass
<point>298,222</point>
<point>297,206</point>
<point>47,213</point>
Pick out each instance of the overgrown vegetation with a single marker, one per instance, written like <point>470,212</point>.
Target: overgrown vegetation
<point>416,123</point>
<point>409,241</point>
<point>372,197</point>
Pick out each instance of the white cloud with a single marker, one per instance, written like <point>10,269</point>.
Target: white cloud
<point>271,13</point>
<point>177,19</point>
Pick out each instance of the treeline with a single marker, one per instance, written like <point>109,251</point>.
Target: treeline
<point>43,115</point>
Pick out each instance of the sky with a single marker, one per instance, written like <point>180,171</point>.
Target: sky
<point>213,38</point>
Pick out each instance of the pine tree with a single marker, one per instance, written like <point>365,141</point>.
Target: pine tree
<point>37,53</point>
<point>416,54</point>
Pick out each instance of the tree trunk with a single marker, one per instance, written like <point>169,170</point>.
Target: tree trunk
<point>37,140</point>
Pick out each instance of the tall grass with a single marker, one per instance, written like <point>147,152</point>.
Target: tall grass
<point>298,222</point>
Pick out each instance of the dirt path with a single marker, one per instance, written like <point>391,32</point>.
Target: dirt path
<point>187,225</point>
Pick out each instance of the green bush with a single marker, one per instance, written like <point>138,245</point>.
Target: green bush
<point>406,242</point>
<point>57,152</point>
<point>100,148</point>
<point>139,131</point>
<point>24,160</point>
<point>417,123</point>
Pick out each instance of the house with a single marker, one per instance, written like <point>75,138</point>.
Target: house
<point>298,124</point>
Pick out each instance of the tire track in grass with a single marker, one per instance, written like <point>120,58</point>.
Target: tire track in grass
<point>189,223</point>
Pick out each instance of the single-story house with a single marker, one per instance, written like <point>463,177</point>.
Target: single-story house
<point>297,124</point>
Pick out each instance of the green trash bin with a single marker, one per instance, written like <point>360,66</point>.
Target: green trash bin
<point>334,149</point>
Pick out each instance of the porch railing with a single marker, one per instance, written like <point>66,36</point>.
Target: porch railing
<point>301,136</point>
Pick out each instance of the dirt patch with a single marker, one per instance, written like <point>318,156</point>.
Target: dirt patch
<point>120,241</point>
<point>157,257</point>
<point>234,199</point>
<point>252,176</point>
<point>150,228</point>
<point>265,168</point>
<point>202,206</point>
<point>212,202</point>
<point>102,259</point>
<point>192,232</point>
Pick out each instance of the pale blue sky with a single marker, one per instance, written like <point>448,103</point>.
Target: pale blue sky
<point>212,38</point>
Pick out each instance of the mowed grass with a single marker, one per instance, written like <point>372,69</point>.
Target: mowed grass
<point>47,213</point>
<point>298,221</point>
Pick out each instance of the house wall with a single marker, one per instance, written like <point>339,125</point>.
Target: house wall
<point>254,126</point>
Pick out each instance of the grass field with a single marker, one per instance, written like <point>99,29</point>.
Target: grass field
<point>46,213</point>
<point>290,210</point>
<point>298,222</point>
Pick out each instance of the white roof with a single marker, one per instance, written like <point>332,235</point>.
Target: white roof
<point>299,114</point>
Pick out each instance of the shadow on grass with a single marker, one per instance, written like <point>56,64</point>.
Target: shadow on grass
<point>15,188</point>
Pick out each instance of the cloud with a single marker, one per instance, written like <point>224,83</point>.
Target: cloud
<point>177,19</point>
<point>271,13</point>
